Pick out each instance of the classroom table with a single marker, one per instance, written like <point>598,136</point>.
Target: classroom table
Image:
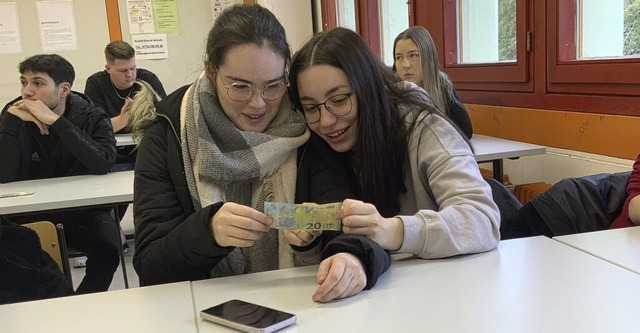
<point>495,150</point>
<point>525,285</point>
<point>64,193</point>
<point>68,192</point>
<point>164,308</point>
<point>618,246</point>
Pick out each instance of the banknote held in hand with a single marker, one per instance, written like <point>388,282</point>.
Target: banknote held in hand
<point>308,216</point>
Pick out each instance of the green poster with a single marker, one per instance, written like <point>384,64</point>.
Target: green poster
<point>167,17</point>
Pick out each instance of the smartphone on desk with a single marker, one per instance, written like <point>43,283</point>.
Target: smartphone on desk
<point>248,317</point>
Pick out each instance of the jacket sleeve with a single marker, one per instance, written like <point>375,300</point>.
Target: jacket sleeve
<point>94,146</point>
<point>322,180</point>
<point>173,242</point>
<point>456,213</point>
<point>374,258</point>
<point>459,115</point>
<point>15,148</point>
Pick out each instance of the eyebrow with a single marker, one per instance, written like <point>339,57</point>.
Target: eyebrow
<point>22,77</point>
<point>235,78</point>
<point>328,93</point>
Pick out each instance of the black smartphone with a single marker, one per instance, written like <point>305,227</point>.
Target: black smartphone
<point>248,317</point>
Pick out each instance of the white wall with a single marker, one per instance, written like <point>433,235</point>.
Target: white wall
<point>92,32</point>
<point>186,47</point>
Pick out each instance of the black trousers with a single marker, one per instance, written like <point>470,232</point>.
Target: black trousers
<point>94,232</point>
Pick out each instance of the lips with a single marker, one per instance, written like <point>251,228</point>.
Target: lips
<point>336,134</point>
<point>254,118</point>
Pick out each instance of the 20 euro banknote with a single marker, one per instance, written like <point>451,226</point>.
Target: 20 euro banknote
<point>308,216</point>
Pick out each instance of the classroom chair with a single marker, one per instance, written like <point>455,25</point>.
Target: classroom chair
<point>53,242</point>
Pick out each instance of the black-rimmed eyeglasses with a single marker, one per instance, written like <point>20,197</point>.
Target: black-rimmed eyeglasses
<point>339,105</point>
<point>241,92</point>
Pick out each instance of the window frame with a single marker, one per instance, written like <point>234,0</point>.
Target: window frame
<point>594,86</point>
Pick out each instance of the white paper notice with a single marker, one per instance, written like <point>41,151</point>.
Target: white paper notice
<point>217,6</point>
<point>57,25</point>
<point>140,16</point>
<point>150,46</point>
<point>10,41</point>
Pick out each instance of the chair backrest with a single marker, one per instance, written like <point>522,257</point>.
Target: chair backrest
<point>52,241</point>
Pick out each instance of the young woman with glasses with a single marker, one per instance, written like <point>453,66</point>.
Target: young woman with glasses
<point>213,152</point>
<point>420,188</point>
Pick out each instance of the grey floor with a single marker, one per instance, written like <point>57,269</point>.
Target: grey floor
<point>118,278</point>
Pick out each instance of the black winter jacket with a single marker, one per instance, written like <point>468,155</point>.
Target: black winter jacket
<point>173,240</point>
<point>80,142</point>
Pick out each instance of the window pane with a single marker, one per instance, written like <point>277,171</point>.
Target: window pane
<point>346,14</point>
<point>393,21</point>
<point>620,36</point>
<point>488,31</point>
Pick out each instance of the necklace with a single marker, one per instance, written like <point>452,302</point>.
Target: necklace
<point>116,91</point>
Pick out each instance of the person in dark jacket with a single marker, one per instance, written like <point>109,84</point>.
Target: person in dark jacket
<point>51,131</point>
<point>213,152</point>
<point>27,272</point>
<point>416,60</point>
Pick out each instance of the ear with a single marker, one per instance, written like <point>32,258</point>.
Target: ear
<point>107,67</point>
<point>65,89</point>
<point>210,72</point>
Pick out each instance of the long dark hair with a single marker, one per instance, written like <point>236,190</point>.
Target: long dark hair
<point>380,151</point>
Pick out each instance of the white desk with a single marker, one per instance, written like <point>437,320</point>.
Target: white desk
<point>617,246</point>
<point>165,308</point>
<point>52,194</point>
<point>125,140</point>
<point>491,149</point>
<point>526,285</point>
<point>68,192</point>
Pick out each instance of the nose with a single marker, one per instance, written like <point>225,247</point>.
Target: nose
<point>406,63</point>
<point>27,91</point>
<point>326,118</point>
<point>256,100</point>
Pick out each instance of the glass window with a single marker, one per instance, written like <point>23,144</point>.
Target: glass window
<point>620,36</point>
<point>487,31</point>
<point>346,14</point>
<point>393,21</point>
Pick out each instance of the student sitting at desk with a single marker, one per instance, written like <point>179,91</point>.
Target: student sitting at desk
<point>113,88</point>
<point>580,204</point>
<point>28,273</point>
<point>422,190</point>
<point>51,131</point>
<point>416,60</point>
<point>213,152</point>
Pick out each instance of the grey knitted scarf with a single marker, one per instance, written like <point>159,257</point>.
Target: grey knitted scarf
<point>223,163</point>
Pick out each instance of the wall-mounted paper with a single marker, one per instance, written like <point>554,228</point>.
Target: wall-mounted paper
<point>150,46</point>
<point>57,25</point>
<point>10,41</point>
<point>140,16</point>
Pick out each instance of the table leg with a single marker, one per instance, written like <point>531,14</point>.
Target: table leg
<point>123,263</point>
<point>498,170</point>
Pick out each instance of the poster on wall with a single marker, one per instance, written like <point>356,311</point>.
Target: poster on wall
<point>140,14</point>
<point>57,26</point>
<point>217,6</point>
<point>10,42</point>
<point>150,46</point>
<point>166,15</point>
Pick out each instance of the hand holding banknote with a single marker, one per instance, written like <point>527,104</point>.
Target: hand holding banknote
<point>238,225</point>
